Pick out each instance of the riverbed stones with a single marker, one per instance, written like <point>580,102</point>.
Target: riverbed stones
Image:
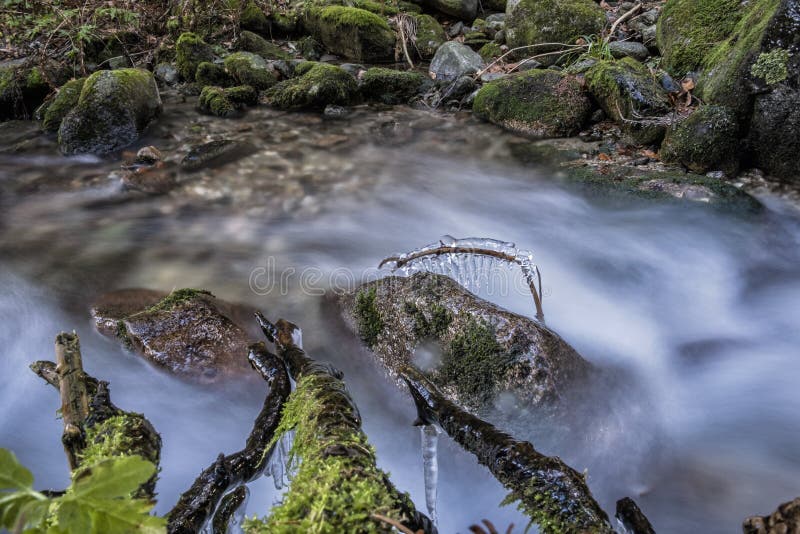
<point>351,32</point>
<point>537,104</point>
<point>704,141</point>
<point>480,352</point>
<point>453,60</point>
<point>113,110</point>
<point>189,332</point>
<point>314,86</point>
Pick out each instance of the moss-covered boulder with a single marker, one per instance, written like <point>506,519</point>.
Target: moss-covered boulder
<point>251,42</point>
<point>251,69</point>
<point>113,110</point>
<point>535,22</point>
<point>453,60</point>
<point>254,19</point>
<point>66,99</point>
<point>212,74</point>
<point>774,137</point>
<point>190,51</point>
<point>315,86</point>
<point>465,10</point>
<point>706,140</point>
<point>354,33</point>
<point>23,88</point>
<point>537,103</point>
<point>430,36</point>
<point>391,86</point>
<point>630,94</point>
<point>226,103</point>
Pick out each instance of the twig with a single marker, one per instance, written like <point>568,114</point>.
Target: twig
<point>628,14</point>
<point>517,49</point>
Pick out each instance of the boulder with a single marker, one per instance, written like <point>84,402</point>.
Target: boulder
<point>534,22</point>
<point>465,10</point>
<point>66,99</point>
<point>214,101</point>
<point>113,110</point>
<point>212,74</point>
<point>190,51</point>
<point>391,86</point>
<point>188,332</point>
<point>627,92</point>
<point>453,60</point>
<point>314,86</point>
<point>254,19</point>
<point>484,352</point>
<point>774,137</point>
<point>23,88</point>
<point>251,42</point>
<point>351,32</point>
<point>621,49</point>
<point>704,141</point>
<point>430,36</point>
<point>251,69</point>
<point>537,103</point>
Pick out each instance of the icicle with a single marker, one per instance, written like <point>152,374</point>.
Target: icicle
<point>430,466</point>
<point>279,468</point>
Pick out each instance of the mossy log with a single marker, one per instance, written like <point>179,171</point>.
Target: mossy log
<point>95,429</point>
<point>199,502</point>
<point>338,486</point>
<point>550,492</point>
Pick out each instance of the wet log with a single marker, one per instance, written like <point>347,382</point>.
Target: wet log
<point>337,470</point>
<point>550,492</point>
<point>74,396</point>
<point>199,502</point>
<point>632,518</point>
<point>230,503</point>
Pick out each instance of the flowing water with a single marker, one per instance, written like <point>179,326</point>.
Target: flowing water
<point>697,309</point>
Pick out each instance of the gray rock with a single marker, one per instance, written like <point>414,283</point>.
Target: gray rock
<point>496,18</point>
<point>706,140</point>
<point>774,136</point>
<point>215,154</point>
<point>354,69</point>
<point>454,30</point>
<point>620,49</point>
<point>453,60</point>
<point>166,73</point>
<point>465,10</point>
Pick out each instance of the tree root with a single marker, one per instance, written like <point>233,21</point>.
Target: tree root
<point>199,502</point>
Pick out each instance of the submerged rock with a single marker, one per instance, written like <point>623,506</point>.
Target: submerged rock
<point>188,332</point>
<point>215,154</point>
<point>538,103</point>
<point>351,32</point>
<point>453,60</point>
<point>315,86</point>
<point>114,109</point>
<point>706,140</point>
<point>488,354</point>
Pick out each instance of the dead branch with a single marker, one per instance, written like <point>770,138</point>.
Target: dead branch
<point>74,396</point>
<point>231,502</point>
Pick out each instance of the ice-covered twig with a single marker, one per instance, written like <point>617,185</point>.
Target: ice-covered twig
<point>451,248</point>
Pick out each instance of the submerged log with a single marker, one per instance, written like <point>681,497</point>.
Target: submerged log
<point>338,486</point>
<point>550,492</point>
<point>199,502</point>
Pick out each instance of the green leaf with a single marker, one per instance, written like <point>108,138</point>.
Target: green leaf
<point>113,477</point>
<point>13,474</point>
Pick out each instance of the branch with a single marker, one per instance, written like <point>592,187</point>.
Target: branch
<point>620,20</point>
<point>74,396</point>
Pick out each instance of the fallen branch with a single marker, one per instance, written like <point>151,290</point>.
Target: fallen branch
<point>550,492</point>
<point>74,396</point>
<point>199,502</point>
<point>228,506</point>
<point>628,14</point>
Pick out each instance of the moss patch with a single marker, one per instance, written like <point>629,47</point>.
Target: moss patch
<point>430,36</point>
<point>178,296</point>
<point>490,51</point>
<point>250,69</point>
<point>315,86</point>
<point>250,42</point>
<point>354,33</point>
<point>370,324</point>
<point>704,141</point>
<point>212,74</point>
<point>432,325</point>
<point>253,18</point>
<point>190,51</point>
<point>772,67</point>
<point>65,100</point>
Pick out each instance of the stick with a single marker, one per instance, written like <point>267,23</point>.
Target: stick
<point>623,18</point>
<point>74,396</point>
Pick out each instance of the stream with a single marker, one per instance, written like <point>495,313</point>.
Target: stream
<point>696,308</point>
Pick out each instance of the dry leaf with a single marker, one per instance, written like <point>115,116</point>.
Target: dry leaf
<point>604,157</point>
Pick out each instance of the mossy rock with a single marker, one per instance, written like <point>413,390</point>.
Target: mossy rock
<point>250,69</point>
<point>242,95</point>
<point>251,42</point>
<point>212,74</point>
<point>315,86</point>
<point>391,86</point>
<point>534,22</point>
<point>113,110</point>
<point>22,89</point>
<point>704,141</point>
<point>430,36</point>
<point>490,51</point>
<point>630,94</point>
<point>254,19</point>
<point>190,51</point>
<point>354,33</point>
<point>465,10</point>
<point>66,99</point>
<point>213,101</point>
<point>537,104</point>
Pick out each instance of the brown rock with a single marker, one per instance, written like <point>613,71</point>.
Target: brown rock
<point>784,520</point>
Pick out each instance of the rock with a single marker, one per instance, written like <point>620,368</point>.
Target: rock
<point>461,88</point>
<point>251,42</point>
<point>148,155</point>
<point>66,99</point>
<point>253,19</point>
<point>534,22</point>
<point>537,104</point>
<point>626,91</point>
<point>336,112</point>
<point>784,520</point>
<point>495,5</point>
<point>189,332</point>
<point>455,29</point>
<point>213,101</point>
<point>391,86</point>
<point>215,154</point>
<point>706,140</point>
<point>251,69</point>
<point>212,74</point>
<point>774,137</point>
<point>465,10</point>
<point>354,33</point>
<point>620,49</point>
<point>430,36</point>
<point>454,59</point>
<point>190,51</point>
<point>490,51</point>
<point>114,109</point>
<point>316,86</point>
<point>23,88</point>
<point>310,48</point>
<point>353,69</point>
<point>484,352</point>
<point>166,74</point>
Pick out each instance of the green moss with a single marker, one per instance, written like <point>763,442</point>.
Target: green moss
<point>213,101</point>
<point>432,325</point>
<point>772,66</point>
<point>250,42</point>
<point>490,51</point>
<point>315,86</point>
<point>190,51</point>
<point>212,74</point>
<point>355,33</point>
<point>474,363</point>
<point>430,36</point>
<point>552,21</point>
<point>253,18</point>
<point>65,100</point>
<point>178,296</point>
<point>391,86</point>
<point>250,69</point>
<point>310,48</point>
<point>242,95</point>
<point>120,435</point>
<point>122,334</point>
<point>337,486</point>
<point>537,103</point>
<point>370,324</point>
